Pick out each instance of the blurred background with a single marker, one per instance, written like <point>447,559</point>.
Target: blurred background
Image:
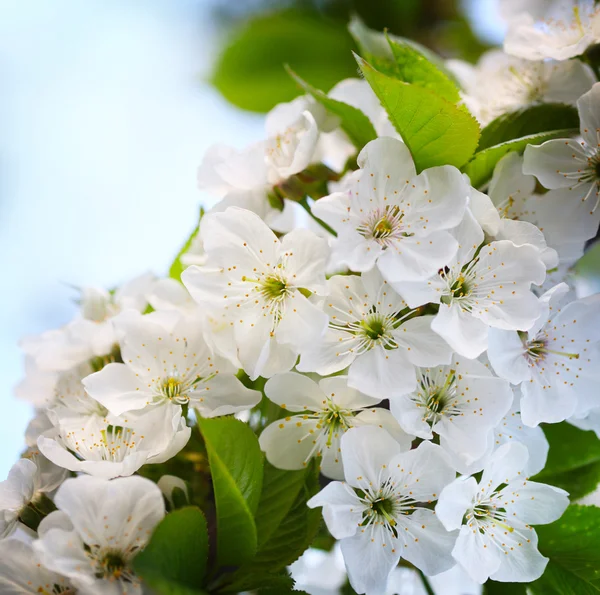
<point>107,107</point>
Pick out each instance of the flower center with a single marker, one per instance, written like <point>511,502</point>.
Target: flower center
<point>436,399</point>
<point>537,349</point>
<point>274,288</point>
<point>376,329</point>
<point>383,225</point>
<point>171,388</point>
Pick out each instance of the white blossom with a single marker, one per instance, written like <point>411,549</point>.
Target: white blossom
<point>99,528</point>
<point>496,540</point>
<point>116,446</point>
<point>260,283</point>
<point>21,572</point>
<point>380,514</point>
<point>568,31</point>
<point>26,483</point>
<point>393,218</point>
<point>246,178</point>
<point>481,288</point>
<point>571,169</point>
<point>461,403</point>
<point>556,361</point>
<point>500,83</point>
<point>374,333</point>
<point>167,360</point>
<point>320,414</point>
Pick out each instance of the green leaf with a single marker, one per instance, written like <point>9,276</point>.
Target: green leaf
<point>374,43</point>
<point>573,545</point>
<point>236,464</point>
<point>286,526</point>
<point>174,561</point>
<point>250,74</point>
<point>528,120</point>
<point>576,469</point>
<point>435,131</point>
<point>494,588</point>
<point>412,66</point>
<point>481,167</point>
<point>177,266</point>
<point>354,123</point>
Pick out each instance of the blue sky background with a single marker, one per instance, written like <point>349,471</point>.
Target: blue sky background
<point>104,119</point>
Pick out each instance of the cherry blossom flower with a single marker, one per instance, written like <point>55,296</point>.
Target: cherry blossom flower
<point>556,361</point>
<point>481,288</point>
<point>260,283</point>
<point>21,572</point>
<point>24,486</point>
<point>573,26</point>
<point>500,83</point>
<point>462,403</point>
<point>380,514</point>
<point>496,540</point>
<point>375,333</point>
<point>167,360</point>
<point>570,167</point>
<point>116,446</point>
<point>99,528</point>
<point>392,218</point>
<point>320,414</point>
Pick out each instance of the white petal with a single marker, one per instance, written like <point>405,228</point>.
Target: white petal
<point>307,257</point>
<point>427,543</point>
<point>365,451</point>
<point>534,503</point>
<point>507,356</point>
<point>505,464</point>
<point>390,162</point>
<point>288,443</point>
<point>295,392</point>
<point>588,113</point>
<point>117,388</point>
<point>417,258</point>
<point>382,418</point>
<point>423,345</point>
<point>454,501</point>
<point>342,509</point>
<point>466,334</point>
<point>423,471</point>
<point>337,389</point>
<point>555,163</point>
<point>223,395</point>
<point>479,562</point>
<point>370,558</point>
<point>303,323</point>
<point>522,562</point>
<point>382,373</point>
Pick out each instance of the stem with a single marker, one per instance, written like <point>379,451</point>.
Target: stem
<point>304,204</point>
<point>426,584</point>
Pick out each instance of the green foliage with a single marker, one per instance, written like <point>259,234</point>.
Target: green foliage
<point>374,44</point>
<point>534,119</point>
<point>177,266</point>
<point>174,562</point>
<point>250,74</point>
<point>573,545</point>
<point>435,131</point>
<point>235,463</point>
<point>576,469</point>
<point>495,588</point>
<point>412,66</point>
<point>352,121</point>
<point>286,526</point>
<point>481,167</point>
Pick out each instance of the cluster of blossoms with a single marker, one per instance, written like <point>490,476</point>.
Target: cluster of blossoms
<point>413,330</point>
